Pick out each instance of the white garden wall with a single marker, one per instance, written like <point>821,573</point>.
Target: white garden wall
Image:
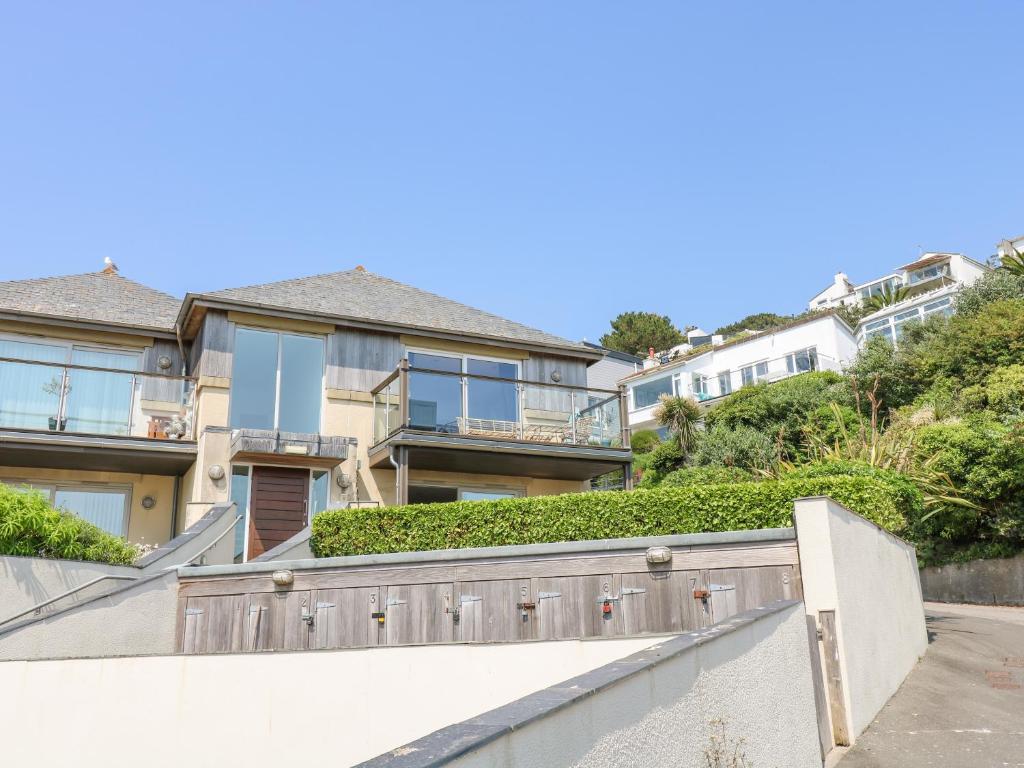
<point>870,579</point>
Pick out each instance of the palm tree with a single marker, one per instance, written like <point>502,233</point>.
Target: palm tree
<point>1013,262</point>
<point>891,294</point>
<point>680,415</point>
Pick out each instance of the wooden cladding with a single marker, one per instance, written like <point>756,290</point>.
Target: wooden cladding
<point>479,602</point>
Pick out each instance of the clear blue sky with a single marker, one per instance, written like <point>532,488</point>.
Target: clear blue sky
<point>554,162</point>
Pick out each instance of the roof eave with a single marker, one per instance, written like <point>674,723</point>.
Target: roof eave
<point>94,325</point>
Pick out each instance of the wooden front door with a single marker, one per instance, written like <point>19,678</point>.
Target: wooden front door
<point>277,506</point>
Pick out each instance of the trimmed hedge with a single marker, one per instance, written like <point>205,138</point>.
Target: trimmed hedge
<point>30,527</point>
<point>603,515</point>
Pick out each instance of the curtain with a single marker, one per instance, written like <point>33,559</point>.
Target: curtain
<point>105,509</point>
<point>100,401</point>
<point>29,394</point>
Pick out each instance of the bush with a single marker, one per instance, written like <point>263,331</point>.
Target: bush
<point>613,514</point>
<point>30,527</point>
<point>644,440</point>
<point>996,285</point>
<point>781,407</point>
<point>707,475</point>
<point>738,446</point>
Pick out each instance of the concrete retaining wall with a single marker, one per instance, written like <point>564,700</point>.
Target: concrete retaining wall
<point>28,581</point>
<point>660,707</point>
<point>869,578</point>
<point>331,708</point>
<point>982,582</point>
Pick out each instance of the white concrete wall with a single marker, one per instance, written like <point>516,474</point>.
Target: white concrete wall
<point>333,708</point>
<point>28,581</point>
<point>870,579</point>
<point>139,618</point>
<point>756,680</point>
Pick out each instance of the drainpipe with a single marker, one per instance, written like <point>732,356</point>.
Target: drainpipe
<point>398,474</point>
<point>174,506</point>
<point>181,348</point>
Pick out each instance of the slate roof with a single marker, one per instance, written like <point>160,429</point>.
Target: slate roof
<point>98,297</point>
<point>356,294</point>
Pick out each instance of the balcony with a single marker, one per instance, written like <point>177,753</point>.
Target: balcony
<point>462,422</point>
<point>66,416</point>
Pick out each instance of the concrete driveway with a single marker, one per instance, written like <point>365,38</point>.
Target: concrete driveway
<point>963,705</point>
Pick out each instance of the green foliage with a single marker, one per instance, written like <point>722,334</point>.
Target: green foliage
<point>644,441</point>
<point>681,415</point>
<point>740,446</point>
<point>636,332</point>
<point>665,458</point>
<point>781,409</point>
<point>895,372</point>
<point>984,457</point>
<point>886,298</point>
<point>30,527</point>
<point>1012,262</point>
<point>759,321</point>
<point>997,285</point>
<point>583,516</point>
<point>707,475</point>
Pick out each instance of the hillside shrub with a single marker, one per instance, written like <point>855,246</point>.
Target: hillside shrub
<point>739,446</point>
<point>707,475</point>
<point>583,516</point>
<point>30,527</point>
<point>644,440</point>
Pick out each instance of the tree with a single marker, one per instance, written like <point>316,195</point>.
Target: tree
<point>1013,262</point>
<point>680,415</point>
<point>890,295</point>
<point>759,321</point>
<point>636,332</point>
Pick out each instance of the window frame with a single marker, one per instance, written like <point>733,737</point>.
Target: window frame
<point>277,374</point>
<point>672,386</point>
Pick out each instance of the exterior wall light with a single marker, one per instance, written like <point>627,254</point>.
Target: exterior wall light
<point>163,362</point>
<point>659,555</point>
<point>148,502</point>
<point>283,578</point>
<point>216,472</point>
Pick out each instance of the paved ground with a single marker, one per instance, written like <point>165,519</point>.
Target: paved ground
<point>963,705</point>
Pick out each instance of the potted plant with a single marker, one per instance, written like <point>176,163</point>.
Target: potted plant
<point>55,387</point>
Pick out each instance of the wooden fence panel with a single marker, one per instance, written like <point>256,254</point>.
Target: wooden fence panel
<point>666,603</point>
<point>491,612</point>
<point>345,618</point>
<point>276,621</point>
<point>419,613</point>
<point>834,677</point>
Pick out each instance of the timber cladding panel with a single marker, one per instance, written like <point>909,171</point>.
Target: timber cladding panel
<point>496,600</point>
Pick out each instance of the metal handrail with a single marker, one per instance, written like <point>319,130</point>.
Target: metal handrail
<point>483,377</point>
<point>212,544</point>
<point>74,366</point>
<point>39,606</point>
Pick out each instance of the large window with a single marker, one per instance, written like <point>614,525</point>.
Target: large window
<point>802,361</point>
<point>928,273</point>
<point>437,401</point>
<point>72,399</point>
<point>277,381</point>
<point>724,382</point>
<point>105,506</point>
<point>879,288</point>
<point>434,494</point>
<point>700,385</point>
<point>649,392</point>
<point>751,374</point>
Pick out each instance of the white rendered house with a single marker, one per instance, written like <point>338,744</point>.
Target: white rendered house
<point>929,273</point>
<point>820,342</point>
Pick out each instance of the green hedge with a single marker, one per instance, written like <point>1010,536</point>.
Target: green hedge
<point>607,515</point>
<point>30,527</point>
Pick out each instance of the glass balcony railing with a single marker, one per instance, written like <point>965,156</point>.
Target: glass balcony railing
<point>452,403</point>
<point>81,399</point>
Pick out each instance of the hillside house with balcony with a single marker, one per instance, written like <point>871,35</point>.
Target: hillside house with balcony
<point>932,272</point>
<point>820,342</point>
<point>139,412</point>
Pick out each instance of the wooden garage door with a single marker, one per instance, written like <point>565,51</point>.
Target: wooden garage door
<point>277,506</point>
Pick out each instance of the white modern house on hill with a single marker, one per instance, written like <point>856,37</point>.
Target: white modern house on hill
<point>931,272</point>
<point>819,342</point>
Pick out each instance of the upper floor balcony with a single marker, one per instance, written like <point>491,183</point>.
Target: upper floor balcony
<point>496,423</point>
<point>98,412</point>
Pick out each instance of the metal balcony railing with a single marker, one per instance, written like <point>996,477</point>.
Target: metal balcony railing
<point>474,405</point>
<point>86,400</point>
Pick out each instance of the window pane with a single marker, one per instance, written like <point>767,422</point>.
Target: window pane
<point>485,495</point>
<point>302,371</point>
<point>104,509</point>
<point>885,332</point>
<point>435,401</point>
<point>254,379</point>
<point>97,401</point>
<point>492,399</point>
<point>30,394</point>
<point>240,495</point>
<point>724,383</point>
<point>430,494</point>
<point>747,374</point>
<point>761,369</point>
<point>321,491</point>
<point>647,394</point>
